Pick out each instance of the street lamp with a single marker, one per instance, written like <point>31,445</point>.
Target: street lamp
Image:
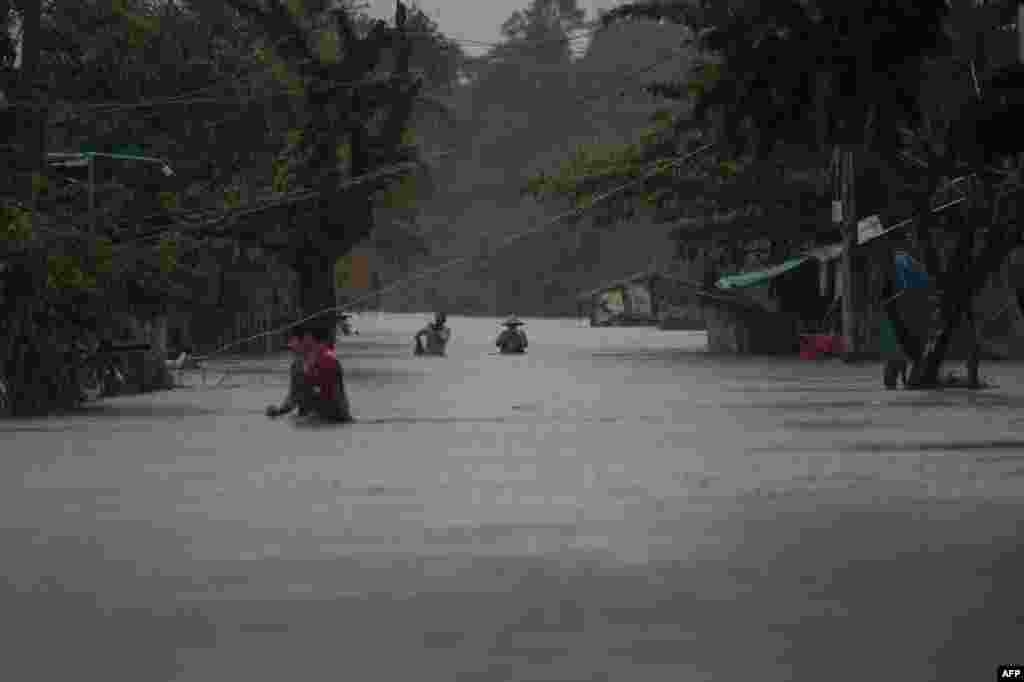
<point>88,159</point>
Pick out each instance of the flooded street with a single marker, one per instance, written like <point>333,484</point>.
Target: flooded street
<point>614,505</point>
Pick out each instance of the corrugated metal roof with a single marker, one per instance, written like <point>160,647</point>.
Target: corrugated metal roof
<point>638,277</point>
<point>750,279</point>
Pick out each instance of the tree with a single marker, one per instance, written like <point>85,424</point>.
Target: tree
<point>718,202</point>
<point>52,262</point>
<point>972,102</point>
<point>850,78</point>
<point>356,94</point>
<point>503,94</point>
<point>838,76</point>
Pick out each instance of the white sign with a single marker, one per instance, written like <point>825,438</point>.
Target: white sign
<point>869,228</point>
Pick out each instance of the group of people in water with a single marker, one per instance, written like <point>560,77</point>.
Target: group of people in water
<point>433,339</point>
<point>317,384</point>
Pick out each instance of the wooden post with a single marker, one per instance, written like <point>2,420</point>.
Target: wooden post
<point>846,216</point>
<point>268,340</point>
<point>1020,31</point>
<point>159,350</point>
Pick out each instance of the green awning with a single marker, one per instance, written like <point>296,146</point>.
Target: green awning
<point>752,279</point>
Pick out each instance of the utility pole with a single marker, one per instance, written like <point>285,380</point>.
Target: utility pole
<point>844,215</point>
<point>1020,31</point>
<point>92,193</point>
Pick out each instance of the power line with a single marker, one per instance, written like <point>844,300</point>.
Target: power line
<point>632,76</point>
<point>114,107</point>
<point>208,219</point>
<point>188,98</point>
<point>659,166</point>
<point>588,31</point>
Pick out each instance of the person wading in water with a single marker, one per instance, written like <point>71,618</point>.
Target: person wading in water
<point>436,334</point>
<point>512,339</point>
<point>317,386</point>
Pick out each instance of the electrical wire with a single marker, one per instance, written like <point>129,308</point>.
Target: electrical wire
<point>656,167</point>
<point>188,98</point>
<point>632,76</point>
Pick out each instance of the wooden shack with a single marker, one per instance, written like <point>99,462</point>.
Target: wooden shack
<point>624,302</point>
<point>643,299</point>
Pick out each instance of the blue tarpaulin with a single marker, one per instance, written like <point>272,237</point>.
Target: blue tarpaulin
<point>910,274</point>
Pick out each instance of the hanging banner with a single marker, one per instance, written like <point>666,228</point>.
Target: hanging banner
<point>869,228</point>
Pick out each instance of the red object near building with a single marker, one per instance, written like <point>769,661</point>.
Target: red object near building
<point>814,345</point>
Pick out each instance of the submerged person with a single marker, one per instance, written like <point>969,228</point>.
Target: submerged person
<point>324,377</point>
<point>512,339</point>
<point>436,334</point>
<point>346,326</point>
<point>317,382</point>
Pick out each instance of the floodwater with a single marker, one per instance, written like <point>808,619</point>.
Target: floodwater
<point>616,504</point>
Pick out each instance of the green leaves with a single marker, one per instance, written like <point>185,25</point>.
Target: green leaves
<point>140,28</point>
<point>328,47</point>
<point>232,197</point>
<point>296,8</point>
<point>103,256</point>
<point>664,167</point>
<point>15,224</point>
<point>64,272</point>
<point>343,152</point>
<point>343,272</point>
<point>279,70</point>
<point>662,119</point>
<point>283,75</point>
<point>40,185</point>
<point>168,254</point>
<point>728,169</point>
<point>709,73</point>
<point>168,200</point>
<point>282,175</point>
<point>584,201</point>
<point>401,194</point>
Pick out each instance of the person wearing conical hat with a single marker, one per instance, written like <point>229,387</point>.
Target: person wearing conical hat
<point>512,338</point>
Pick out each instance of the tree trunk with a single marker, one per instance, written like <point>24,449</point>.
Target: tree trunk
<point>161,377</point>
<point>316,288</point>
<point>949,313</point>
<point>974,356</point>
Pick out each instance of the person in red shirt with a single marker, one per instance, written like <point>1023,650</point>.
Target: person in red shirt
<point>324,377</point>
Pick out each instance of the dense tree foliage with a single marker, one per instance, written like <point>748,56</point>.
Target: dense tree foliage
<point>782,87</point>
<point>278,119</point>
